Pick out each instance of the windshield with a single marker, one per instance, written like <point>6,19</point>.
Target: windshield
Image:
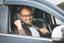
<point>55,2</point>
<point>59,3</point>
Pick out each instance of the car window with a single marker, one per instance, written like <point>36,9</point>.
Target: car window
<point>59,22</point>
<point>42,21</point>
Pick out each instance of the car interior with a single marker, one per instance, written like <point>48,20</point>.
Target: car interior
<point>39,15</point>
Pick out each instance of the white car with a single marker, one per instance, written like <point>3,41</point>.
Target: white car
<point>44,11</point>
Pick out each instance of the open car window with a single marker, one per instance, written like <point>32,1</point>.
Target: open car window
<point>39,17</point>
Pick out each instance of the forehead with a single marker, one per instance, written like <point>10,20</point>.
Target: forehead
<point>26,8</point>
<point>25,11</point>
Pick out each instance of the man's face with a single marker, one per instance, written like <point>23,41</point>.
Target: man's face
<point>26,16</point>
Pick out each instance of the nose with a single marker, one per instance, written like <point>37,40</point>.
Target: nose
<point>29,17</point>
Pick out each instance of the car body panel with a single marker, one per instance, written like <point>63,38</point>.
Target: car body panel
<point>7,38</point>
<point>55,2</point>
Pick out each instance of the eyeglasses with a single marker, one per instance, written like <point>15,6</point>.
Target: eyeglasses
<point>26,15</point>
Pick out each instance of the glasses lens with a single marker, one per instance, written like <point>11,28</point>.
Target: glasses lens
<point>26,15</point>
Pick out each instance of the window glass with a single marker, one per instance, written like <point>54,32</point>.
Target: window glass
<point>41,22</point>
<point>58,21</point>
<point>32,22</point>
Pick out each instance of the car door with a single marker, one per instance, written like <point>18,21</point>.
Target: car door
<point>43,5</point>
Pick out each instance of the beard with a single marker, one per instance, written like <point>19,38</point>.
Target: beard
<point>28,22</point>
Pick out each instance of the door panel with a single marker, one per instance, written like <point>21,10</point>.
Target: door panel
<point>4,38</point>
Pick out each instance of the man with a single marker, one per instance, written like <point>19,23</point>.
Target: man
<point>24,24</point>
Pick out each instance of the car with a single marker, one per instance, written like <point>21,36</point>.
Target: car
<point>42,10</point>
